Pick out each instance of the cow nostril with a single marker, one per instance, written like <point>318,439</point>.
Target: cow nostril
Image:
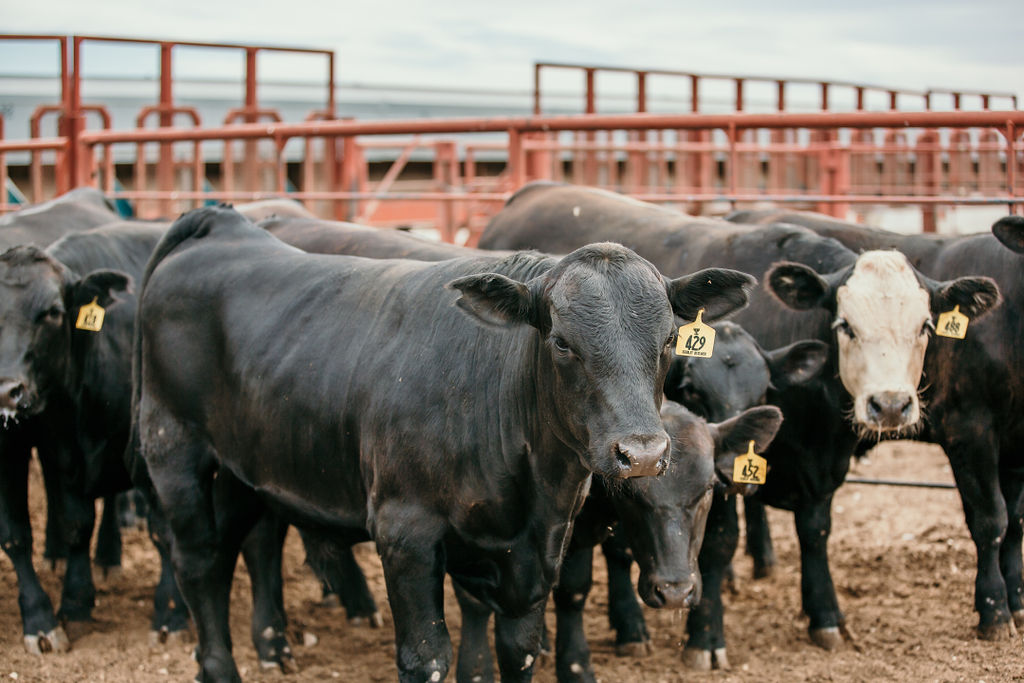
<point>623,457</point>
<point>16,392</point>
<point>874,407</point>
<point>905,409</point>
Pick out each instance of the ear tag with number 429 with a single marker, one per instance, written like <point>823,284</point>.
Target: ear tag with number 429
<point>750,468</point>
<point>696,339</point>
<point>952,324</point>
<point>90,317</point>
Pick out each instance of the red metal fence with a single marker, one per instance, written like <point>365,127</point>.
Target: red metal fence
<point>822,160</point>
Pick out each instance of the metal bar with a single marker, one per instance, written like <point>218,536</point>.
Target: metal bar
<point>389,178</point>
<point>898,482</point>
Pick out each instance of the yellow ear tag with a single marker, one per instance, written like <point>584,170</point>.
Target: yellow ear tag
<point>696,339</point>
<point>750,468</point>
<point>952,324</point>
<point>90,317</point>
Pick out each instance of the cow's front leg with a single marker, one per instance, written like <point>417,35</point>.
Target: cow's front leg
<point>409,541</point>
<point>517,642</point>
<point>170,622</point>
<point>759,538</point>
<point>813,526</point>
<point>107,558</point>
<point>1010,561</point>
<point>78,520</point>
<point>342,580</point>
<point>474,663</point>
<point>705,647</point>
<point>625,615</point>
<point>572,655</point>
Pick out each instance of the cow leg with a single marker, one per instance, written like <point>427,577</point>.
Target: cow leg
<point>55,550</point>
<point>410,543</point>
<point>759,538</point>
<point>624,613</point>
<point>107,557</point>
<point>517,643</point>
<point>132,509</point>
<point>262,551</point>
<point>705,646</point>
<point>572,655</point>
<point>41,631</point>
<point>1010,561</point>
<point>474,663</point>
<point>973,457</point>
<point>813,526</point>
<point>341,579</point>
<point>170,613</point>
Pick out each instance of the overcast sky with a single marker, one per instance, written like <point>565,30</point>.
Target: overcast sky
<point>914,44</point>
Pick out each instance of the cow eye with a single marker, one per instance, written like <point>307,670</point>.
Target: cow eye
<point>928,327</point>
<point>671,340</point>
<point>54,314</point>
<point>841,325</point>
<point>560,344</point>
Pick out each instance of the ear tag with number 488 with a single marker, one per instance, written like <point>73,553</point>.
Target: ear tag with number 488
<point>750,468</point>
<point>90,317</point>
<point>696,339</point>
<point>952,324</point>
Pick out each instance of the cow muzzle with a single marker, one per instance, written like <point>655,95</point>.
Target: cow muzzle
<point>642,455</point>
<point>15,399</point>
<point>891,410</point>
<point>658,592</point>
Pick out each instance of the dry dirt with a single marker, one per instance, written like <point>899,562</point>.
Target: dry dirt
<point>902,560</point>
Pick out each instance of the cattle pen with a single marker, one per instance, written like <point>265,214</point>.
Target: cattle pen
<point>932,156</point>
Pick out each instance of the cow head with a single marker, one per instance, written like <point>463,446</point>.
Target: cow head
<point>39,299</point>
<point>664,517</point>
<point>605,333</point>
<point>883,317</point>
<point>739,373</point>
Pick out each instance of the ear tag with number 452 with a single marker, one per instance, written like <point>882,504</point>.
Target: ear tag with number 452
<point>90,317</point>
<point>696,339</point>
<point>952,324</point>
<point>750,468</point>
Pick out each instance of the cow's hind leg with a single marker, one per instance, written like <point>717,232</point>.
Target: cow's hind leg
<point>107,558</point>
<point>474,663</point>
<point>705,647</point>
<point>813,526</point>
<point>41,631</point>
<point>341,579</point>
<point>262,551</point>
<point>170,622</point>
<point>625,615</point>
<point>1010,562</point>
<point>209,513</point>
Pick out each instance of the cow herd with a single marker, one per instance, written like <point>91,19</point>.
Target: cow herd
<point>490,415</point>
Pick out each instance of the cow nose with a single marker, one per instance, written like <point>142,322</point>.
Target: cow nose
<point>11,392</point>
<point>643,455</point>
<point>890,408</point>
<point>674,593</point>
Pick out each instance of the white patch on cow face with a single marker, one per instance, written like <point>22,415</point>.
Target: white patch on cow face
<point>882,325</point>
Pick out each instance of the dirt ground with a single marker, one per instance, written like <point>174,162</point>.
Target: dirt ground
<point>902,561</point>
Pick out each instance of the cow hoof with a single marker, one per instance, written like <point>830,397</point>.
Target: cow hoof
<point>997,631</point>
<point>697,660</point>
<point>826,638</point>
<point>51,641</point>
<point>375,620</point>
<point>643,648</point>
<point>286,664</point>
<point>1018,618</point>
<point>167,637</point>
<point>330,601</point>
<point>763,571</point>
<point>719,660</point>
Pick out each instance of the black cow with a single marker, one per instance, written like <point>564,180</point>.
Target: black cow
<point>977,423</point>
<point>458,431</point>
<point>42,224</point>
<point>65,390</point>
<point>878,341</point>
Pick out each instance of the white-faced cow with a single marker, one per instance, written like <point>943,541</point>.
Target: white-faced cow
<point>868,307</point>
<point>977,423</point>
<point>453,412</point>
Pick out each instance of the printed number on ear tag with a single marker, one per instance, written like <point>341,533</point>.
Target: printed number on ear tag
<point>696,339</point>
<point>750,468</point>
<point>90,317</point>
<point>952,324</point>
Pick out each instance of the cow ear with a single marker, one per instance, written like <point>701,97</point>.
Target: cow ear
<point>797,286</point>
<point>719,291</point>
<point>494,299</point>
<point>975,296</point>
<point>1010,231</point>
<point>796,363</point>
<point>102,285</point>
<point>731,437</point>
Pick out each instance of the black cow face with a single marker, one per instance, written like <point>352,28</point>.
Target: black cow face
<point>884,311</point>
<point>607,331</point>
<point>39,299</point>
<point>739,373</point>
<point>664,518</point>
